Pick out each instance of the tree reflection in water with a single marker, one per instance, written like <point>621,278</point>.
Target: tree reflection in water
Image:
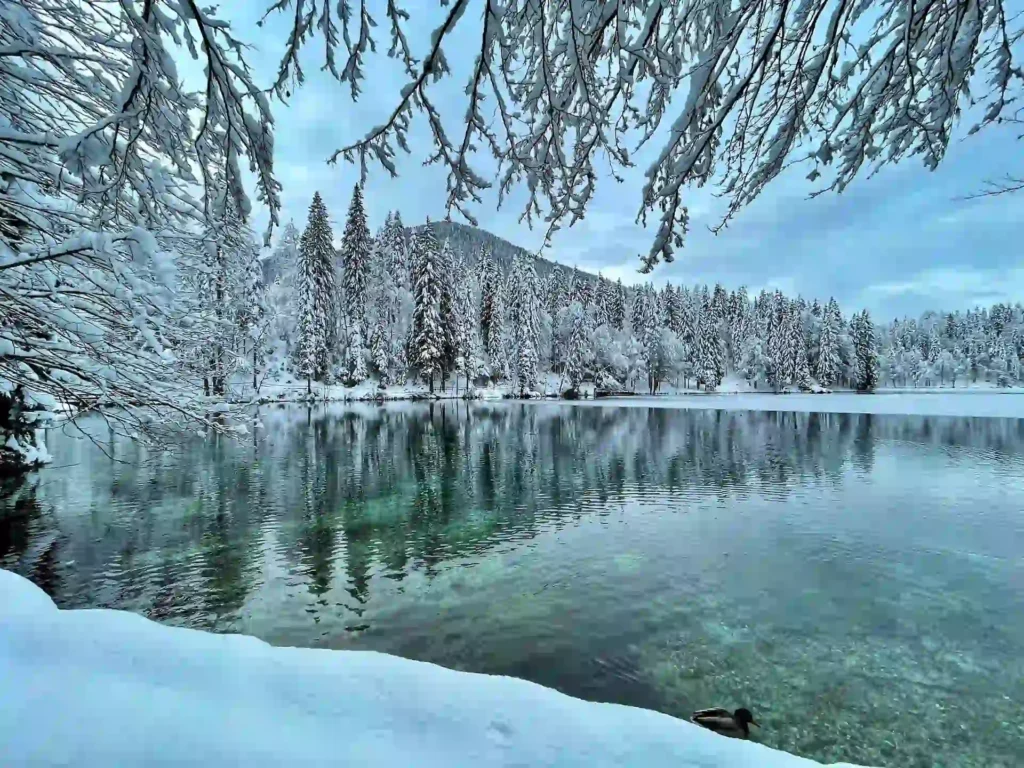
<point>648,556</point>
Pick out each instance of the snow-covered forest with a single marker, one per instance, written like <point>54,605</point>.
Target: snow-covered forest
<point>411,304</point>
<point>135,138</point>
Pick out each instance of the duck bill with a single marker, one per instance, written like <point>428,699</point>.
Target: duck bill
<point>754,722</point>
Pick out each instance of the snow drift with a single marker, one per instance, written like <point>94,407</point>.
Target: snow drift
<point>101,688</point>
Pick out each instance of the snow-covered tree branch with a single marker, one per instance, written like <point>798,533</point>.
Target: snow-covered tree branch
<point>726,91</point>
<point>110,174</point>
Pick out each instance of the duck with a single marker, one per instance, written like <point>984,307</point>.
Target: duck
<point>736,724</point>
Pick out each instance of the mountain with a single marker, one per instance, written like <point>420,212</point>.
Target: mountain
<point>468,241</point>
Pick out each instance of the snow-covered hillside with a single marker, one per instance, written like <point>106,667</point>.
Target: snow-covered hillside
<point>105,688</point>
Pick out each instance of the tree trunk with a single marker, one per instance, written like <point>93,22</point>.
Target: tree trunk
<point>309,385</point>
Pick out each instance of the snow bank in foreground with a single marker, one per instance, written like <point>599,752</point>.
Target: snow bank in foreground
<point>102,688</point>
<point>961,403</point>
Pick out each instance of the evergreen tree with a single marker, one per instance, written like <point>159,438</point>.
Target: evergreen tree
<point>398,249</point>
<point>636,311</point>
<point>316,292</point>
<point>497,335</point>
<point>380,354</point>
<point>253,315</point>
<point>385,299</point>
<point>576,347</point>
<point>284,260</point>
<point>356,255</point>
<point>706,363</point>
<point>557,291</point>
<point>739,323</point>
<point>867,355</point>
<point>582,289</point>
<point>522,311</point>
<point>649,332</point>
<point>617,313</point>
<point>355,357</point>
<point>214,282</point>
<point>754,361</point>
<point>490,290</point>
<point>605,301</point>
<point>779,339</point>
<point>468,346</point>
<point>428,337</point>
<point>719,304</point>
<point>447,276</point>
<point>280,277</point>
<point>827,364</point>
<point>674,311</point>
<point>797,369</point>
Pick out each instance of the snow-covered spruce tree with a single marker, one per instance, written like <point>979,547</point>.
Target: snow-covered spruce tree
<point>522,318</point>
<point>490,288</point>
<point>253,316</point>
<point>558,298</point>
<point>605,303</point>
<point>386,298</point>
<point>428,337</point>
<point>674,310</point>
<point>216,286</point>
<point>720,303</point>
<point>392,250</point>
<point>469,356</point>
<point>768,70</point>
<point>279,273</point>
<point>578,350</point>
<point>867,355</point>
<point>105,194</point>
<point>796,365</point>
<point>739,324</point>
<point>356,253</point>
<point>779,340</point>
<point>582,289</point>
<point>753,364</point>
<point>706,363</point>
<point>316,290</point>
<point>447,276</point>
<point>557,291</point>
<point>827,366</point>
<point>356,352</point>
<point>617,313</point>
<point>281,264</point>
<point>649,334</point>
<point>636,311</point>
<point>497,344</point>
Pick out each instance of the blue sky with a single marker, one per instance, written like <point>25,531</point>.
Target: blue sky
<point>899,243</point>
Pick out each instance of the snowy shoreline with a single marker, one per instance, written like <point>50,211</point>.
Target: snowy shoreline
<point>966,401</point>
<point>970,404</point>
<point>101,687</point>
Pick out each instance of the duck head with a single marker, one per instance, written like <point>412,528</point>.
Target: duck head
<point>745,718</point>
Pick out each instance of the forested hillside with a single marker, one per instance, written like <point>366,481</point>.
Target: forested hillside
<point>444,302</point>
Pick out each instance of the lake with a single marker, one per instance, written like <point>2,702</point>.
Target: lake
<point>855,580</point>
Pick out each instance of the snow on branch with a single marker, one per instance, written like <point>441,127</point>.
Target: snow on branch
<point>107,164</point>
<point>726,91</point>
